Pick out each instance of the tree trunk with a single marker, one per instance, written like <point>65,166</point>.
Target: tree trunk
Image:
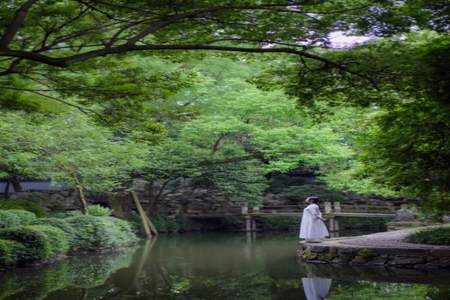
<point>16,184</point>
<point>149,228</point>
<point>6,191</point>
<point>82,200</point>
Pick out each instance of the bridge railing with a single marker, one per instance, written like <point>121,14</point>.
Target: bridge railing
<point>326,207</point>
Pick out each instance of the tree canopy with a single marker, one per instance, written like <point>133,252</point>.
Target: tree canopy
<point>178,89</point>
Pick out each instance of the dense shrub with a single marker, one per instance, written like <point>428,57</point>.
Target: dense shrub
<point>15,217</point>
<point>126,231</point>
<point>10,252</point>
<point>40,241</point>
<point>100,232</point>
<point>66,214</point>
<point>23,205</point>
<point>61,224</point>
<point>99,211</point>
<point>435,236</point>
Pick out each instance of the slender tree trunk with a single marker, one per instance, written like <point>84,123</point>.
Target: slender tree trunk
<point>84,294</point>
<point>143,260</point>
<point>83,202</point>
<point>6,191</point>
<point>16,184</point>
<point>149,228</point>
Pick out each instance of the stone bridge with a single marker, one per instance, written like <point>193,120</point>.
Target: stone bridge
<point>331,211</point>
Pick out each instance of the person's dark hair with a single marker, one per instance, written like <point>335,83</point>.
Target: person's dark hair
<point>314,199</point>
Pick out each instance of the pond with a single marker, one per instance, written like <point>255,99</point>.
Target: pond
<point>215,266</point>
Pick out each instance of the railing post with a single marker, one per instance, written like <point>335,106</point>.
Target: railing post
<point>331,224</point>
<point>328,209</point>
<point>337,206</point>
<point>244,208</point>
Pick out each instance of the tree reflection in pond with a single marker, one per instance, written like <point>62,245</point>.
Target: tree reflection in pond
<point>214,267</point>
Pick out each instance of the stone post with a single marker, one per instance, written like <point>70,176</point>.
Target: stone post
<point>336,224</point>
<point>244,208</point>
<point>337,206</point>
<point>327,207</point>
<point>331,224</point>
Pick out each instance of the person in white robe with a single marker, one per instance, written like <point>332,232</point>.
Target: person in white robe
<point>312,226</point>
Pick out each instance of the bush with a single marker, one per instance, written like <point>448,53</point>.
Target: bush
<point>61,224</point>
<point>100,232</point>
<point>127,234</point>
<point>15,217</point>
<point>39,241</point>
<point>435,236</point>
<point>23,205</point>
<point>99,211</point>
<point>66,214</point>
<point>10,252</point>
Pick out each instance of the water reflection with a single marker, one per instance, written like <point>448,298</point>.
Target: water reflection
<point>214,267</point>
<point>316,288</point>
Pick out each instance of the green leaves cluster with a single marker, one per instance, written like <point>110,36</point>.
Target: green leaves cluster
<point>69,149</point>
<point>239,134</point>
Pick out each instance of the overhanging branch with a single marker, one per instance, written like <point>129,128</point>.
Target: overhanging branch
<point>66,61</point>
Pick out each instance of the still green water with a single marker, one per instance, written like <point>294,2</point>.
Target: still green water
<point>215,266</point>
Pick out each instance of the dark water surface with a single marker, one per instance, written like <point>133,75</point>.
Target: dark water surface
<point>216,266</point>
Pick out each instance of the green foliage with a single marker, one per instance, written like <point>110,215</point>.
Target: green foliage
<point>15,217</point>
<point>39,241</point>
<point>125,233</point>
<point>99,211</point>
<point>239,135</point>
<point>61,224</point>
<point>10,252</point>
<point>321,190</point>
<point>407,151</point>
<point>231,120</point>
<point>70,149</point>
<point>436,236</point>
<point>24,205</point>
<point>166,224</point>
<point>48,237</point>
<point>66,214</point>
<point>100,232</point>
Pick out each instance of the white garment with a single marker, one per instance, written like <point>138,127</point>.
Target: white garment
<point>316,288</point>
<point>311,226</point>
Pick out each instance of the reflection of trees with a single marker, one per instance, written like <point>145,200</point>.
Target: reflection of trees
<point>362,290</point>
<point>357,273</point>
<point>84,271</point>
<point>199,268</point>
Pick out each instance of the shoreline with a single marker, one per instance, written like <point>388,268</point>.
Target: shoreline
<point>379,249</point>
